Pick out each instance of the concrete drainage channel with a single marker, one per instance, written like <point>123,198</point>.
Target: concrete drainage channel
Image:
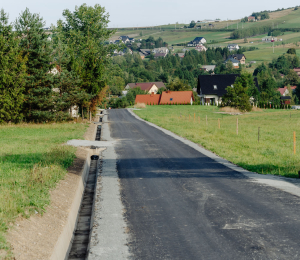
<point>79,248</point>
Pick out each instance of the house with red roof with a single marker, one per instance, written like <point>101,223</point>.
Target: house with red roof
<point>148,87</point>
<point>152,99</point>
<point>167,98</point>
<point>285,92</point>
<point>176,97</point>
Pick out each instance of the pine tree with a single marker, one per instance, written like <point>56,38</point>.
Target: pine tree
<point>35,45</point>
<point>12,73</point>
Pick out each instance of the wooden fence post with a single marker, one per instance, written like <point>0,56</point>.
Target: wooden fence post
<point>294,142</point>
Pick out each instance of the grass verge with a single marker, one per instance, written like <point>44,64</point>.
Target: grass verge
<point>32,161</point>
<point>272,154</point>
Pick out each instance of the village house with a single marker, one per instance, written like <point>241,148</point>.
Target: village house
<point>123,52</point>
<point>211,88</point>
<point>197,41</point>
<point>201,48</point>
<point>251,19</point>
<point>146,52</point>
<point>240,57</point>
<point>234,62</point>
<point>148,87</point>
<point>297,70</point>
<point>152,99</point>
<point>167,98</point>
<point>285,92</point>
<point>269,39</point>
<point>164,50</point>
<point>208,68</point>
<point>160,55</point>
<point>233,47</point>
<point>124,39</point>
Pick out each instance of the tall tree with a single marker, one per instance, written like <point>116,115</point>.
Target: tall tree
<point>85,32</point>
<point>12,73</point>
<point>35,45</point>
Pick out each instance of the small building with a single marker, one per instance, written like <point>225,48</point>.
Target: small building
<point>148,87</point>
<point>285,92</point>
<point>233,47</point>
<point>160,55</point>
<point>201,48</point>
<point>152,99</point>
<point>208,67</point>
<point>234,62</point>
<point>240,57</point>
<point>297,70</point>
<point>197,41</point>
<point>251,19</point>
<point>285,100</point>
<point>161,50</point>
<point>269,39</point>
<point>146,52</point>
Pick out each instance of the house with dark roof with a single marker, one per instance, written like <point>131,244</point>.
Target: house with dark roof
<point>148,87</point>
<point>124,39</point>
<point>234,62</point>
<point>197,41</point>
<point>146,52</point>
<point>240,57</point>
<point>211,88</point>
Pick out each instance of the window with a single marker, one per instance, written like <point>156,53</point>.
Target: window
<point>171,99</point>
<point>215,87</point>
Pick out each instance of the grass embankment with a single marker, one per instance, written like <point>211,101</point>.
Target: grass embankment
<point>273,154</point>
<point>32,161</point>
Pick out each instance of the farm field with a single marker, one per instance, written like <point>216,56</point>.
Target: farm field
<point>273,154</point>
<point>32,161</point>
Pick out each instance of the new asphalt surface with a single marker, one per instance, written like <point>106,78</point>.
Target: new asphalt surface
<point>181,204</point>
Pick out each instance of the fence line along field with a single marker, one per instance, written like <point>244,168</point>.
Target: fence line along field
<point>32,161</point>
<point>217,132</point>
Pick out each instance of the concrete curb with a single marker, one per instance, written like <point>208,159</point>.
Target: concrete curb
<point>286,184</point>
<point>63,244</point>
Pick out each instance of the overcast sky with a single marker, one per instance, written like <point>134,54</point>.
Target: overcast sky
<point>133,13</point>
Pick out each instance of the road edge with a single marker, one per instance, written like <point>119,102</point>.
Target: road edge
<point>291,186</point>
<point>108,239</point>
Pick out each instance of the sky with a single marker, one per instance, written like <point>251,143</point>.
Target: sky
<point>135,13</point>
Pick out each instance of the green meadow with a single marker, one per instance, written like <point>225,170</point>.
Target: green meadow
<point>32,161</point>
<point>272,154</point>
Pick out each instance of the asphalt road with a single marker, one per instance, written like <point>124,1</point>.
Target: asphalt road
<point>181,204</point>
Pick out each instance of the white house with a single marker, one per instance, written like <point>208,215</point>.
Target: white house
<point>233,47</point>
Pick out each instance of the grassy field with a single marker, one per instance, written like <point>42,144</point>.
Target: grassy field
<point>273,154</point>
<point>32,161</point>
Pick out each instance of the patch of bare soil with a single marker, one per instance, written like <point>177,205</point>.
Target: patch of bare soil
<point>36,237</point>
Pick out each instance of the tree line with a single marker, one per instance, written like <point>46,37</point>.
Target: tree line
<point>42,74</point>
